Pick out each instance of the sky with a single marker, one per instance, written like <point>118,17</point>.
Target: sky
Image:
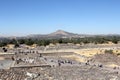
<point>23,17</point>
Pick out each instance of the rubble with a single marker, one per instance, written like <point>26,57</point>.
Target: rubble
<point>54,63</point>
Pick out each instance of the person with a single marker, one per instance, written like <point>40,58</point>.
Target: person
<point>40,55</point>
<point>59,64</point>
<point>100,65</point>
<point>13,58</point>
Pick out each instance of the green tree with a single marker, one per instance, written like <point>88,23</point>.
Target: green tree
<point>29,42</point>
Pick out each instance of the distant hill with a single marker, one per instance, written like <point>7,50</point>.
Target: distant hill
<point>57,34</point>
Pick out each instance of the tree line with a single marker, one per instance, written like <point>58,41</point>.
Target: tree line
<point>44,42</point>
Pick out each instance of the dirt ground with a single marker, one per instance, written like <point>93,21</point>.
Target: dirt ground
<point>78,64</point>
<point>2,58</point>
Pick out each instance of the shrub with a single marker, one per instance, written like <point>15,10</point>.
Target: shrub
<point>118,54</point>
<point>109,51</point>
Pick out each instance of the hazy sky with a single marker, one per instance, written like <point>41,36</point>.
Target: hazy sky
<point>21,17</point>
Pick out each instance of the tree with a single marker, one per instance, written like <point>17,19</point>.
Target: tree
<point>114,40</point>
<point>29,42</point>
<point>21,41</point>
<point>2,44</point>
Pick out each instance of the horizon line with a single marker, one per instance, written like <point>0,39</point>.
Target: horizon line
<point>28,34</point>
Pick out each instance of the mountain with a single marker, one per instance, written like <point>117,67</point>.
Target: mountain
<point>62,34</point>
<point>57,34</point>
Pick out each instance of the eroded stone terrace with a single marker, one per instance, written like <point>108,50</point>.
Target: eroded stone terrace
<point>12,74</point>
<point>60,65</point>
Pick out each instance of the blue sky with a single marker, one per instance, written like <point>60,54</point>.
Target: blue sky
<point>22,17</point>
